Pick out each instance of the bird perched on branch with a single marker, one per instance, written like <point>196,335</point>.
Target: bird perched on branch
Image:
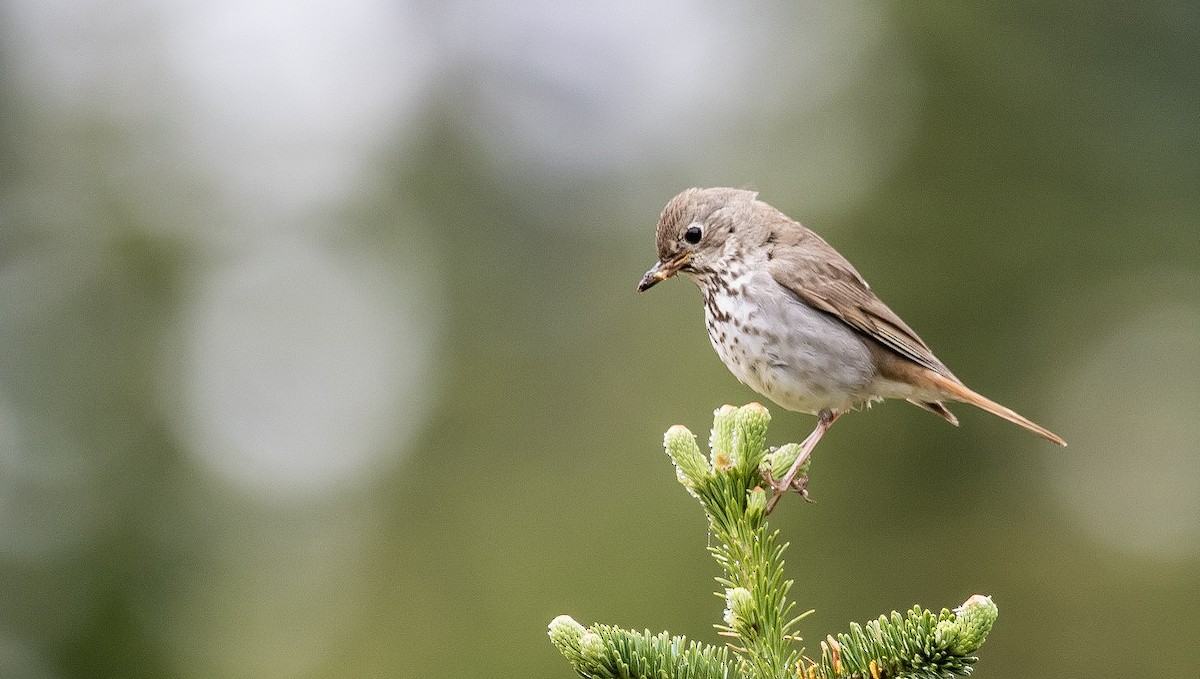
<point>792,319</point>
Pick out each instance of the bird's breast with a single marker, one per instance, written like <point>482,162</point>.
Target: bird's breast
<point>801,358</point>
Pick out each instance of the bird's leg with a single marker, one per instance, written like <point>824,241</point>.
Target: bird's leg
<point>825,420</point>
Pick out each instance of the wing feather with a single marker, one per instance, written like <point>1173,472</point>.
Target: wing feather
<point>819,276</point>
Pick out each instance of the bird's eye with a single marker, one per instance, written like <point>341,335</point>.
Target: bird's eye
<point>692,235</point>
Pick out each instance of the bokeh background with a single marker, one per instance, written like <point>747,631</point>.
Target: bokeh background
<point>320,354</point>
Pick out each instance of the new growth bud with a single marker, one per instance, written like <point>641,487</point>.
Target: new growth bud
<point>975,619</point>
<point>565,634</point>
<point>750,435</point>
<point>739,608</point>
<point>564,628</point>
<point>720,439</point>
<point>782,459</point>
<point>690,466</point>
<point>756,504</point>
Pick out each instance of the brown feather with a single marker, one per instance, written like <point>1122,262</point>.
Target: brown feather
<point>952,389</point>
<point>959,392</point>
<point>821,277</point>
<point>937,408</point>
<point>811,269</point>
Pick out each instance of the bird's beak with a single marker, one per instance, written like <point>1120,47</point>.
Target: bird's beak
<point>662,270</point>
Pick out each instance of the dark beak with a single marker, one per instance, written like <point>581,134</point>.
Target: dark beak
<point>661,271</point>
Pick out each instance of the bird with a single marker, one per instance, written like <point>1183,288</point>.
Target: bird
<point>793,320</point>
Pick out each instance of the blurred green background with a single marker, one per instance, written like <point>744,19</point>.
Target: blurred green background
<point>321,355</point>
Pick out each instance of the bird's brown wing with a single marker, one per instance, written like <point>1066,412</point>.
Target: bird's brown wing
<point>819,276</point>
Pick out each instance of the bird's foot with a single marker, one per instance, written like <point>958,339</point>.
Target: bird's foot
<point>800,485</point>
<point>797,483</point>
<point>781,486</point>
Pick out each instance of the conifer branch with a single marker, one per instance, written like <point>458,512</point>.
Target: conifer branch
<point>605,652</point>
<point>920,644</point>
<point>758,616</point>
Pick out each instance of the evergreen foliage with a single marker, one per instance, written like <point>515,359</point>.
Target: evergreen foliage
<point>758,616</point>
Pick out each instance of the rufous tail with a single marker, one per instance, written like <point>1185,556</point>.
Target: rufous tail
<point>959,392</point>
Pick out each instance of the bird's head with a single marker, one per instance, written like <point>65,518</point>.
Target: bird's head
<point>697,231</point>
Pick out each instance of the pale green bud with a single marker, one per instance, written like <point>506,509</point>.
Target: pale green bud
<point>782,459</point>
<point>565,634</point>
<point>564,628</point>
<point>975,619</point>
<point>756,504</point>
<point>750,434</point>
<point>720,439</point>
<point>739,607</point>
<point>967,630</point>
<point>591,649</point>
<point>690,466</point>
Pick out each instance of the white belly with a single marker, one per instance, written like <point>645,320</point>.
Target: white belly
<point>798,357</point>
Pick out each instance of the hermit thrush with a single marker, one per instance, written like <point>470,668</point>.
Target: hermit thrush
<point>793,320</point>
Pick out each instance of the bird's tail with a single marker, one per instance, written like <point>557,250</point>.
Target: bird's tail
<point>958,391</point>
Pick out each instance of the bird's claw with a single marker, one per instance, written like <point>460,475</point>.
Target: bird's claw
<point>798,484</point>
